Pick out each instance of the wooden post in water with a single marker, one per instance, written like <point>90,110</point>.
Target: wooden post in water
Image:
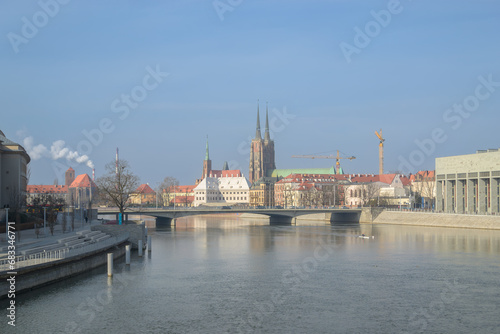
<point>140,247</point>
<point>110,264</point>
<point>149,243</point>
<point>127,254</point>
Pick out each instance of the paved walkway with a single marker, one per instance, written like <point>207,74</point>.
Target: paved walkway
<point>28,238</point>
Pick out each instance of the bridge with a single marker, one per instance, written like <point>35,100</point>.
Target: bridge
<point>167,217</point>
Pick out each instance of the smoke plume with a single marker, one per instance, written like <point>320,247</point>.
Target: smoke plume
<point>58,150</point>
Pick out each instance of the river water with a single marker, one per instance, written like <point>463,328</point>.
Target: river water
<point>216,275</point>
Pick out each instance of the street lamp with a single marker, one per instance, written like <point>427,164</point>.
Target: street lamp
<point>44,220</point>
<point>6,224</point>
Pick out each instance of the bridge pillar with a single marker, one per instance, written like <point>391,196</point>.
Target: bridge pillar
<point>164,222</point>
<point>281,220</point>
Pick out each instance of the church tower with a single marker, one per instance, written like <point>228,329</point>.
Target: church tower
<point>268,148</point>
<point>69,177</point>
<point>207,164</point>
<point>261,152</point>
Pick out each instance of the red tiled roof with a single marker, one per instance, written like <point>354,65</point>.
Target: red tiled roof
<point>144,189</point>
<point>225,173</point>
<point>423,175</point>
<point>181,189</point>
<point>46,189</point>
<point>82,181</point>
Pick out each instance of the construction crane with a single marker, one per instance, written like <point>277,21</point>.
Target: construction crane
<point>380,152</point>
<point>336,157</point>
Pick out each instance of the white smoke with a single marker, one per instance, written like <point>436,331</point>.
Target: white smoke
<point>58,150</point>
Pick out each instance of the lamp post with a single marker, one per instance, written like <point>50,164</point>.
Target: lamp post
<point>6,224</point>
<point>80,205</point>
<point>44,220</point>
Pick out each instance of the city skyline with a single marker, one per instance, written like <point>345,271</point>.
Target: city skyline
<point>155,79</point>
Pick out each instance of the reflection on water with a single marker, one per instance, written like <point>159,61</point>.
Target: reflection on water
<point>228,274</point>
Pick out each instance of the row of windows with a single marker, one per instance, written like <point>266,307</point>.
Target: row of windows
<point>219,198</point>
<point>223,193</point>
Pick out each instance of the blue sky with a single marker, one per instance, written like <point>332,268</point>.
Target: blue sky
<point>70,75</point>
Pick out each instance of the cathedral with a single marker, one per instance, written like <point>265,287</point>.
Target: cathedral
<point>261,152</point>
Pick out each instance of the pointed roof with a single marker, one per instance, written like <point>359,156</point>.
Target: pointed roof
<point>82,181</point>
<point>70,169</point>
<point>258,134</point>
<point>144,189</point>
<point>226,166</point>
<point>207,156</point>
<point>267,136</point>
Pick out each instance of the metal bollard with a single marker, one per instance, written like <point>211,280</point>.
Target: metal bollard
<point>140,247</point>
<point>110,264</point>
<point>127,254</point>
<point>149,243</point>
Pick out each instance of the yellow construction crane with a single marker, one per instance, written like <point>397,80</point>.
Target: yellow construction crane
<point>380,152</point>
<point>336,157</point>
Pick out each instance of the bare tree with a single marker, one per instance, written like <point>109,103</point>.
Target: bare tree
<point>117,184</point>
<point>49,204</point>
<point>17,204</point>
<point>167,188</point>
<point>72,219</point>
<point>424,186</point>
<point>64,221</point>
<point>369,192</point>
<point>287,195</point>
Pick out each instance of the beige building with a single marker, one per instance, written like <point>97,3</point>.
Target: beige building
<point>231,188</point>
<point>423,185</point>
<point>469,183</point>
<point>262,192</point>
<point>179,195</point>
<point>13,173</point>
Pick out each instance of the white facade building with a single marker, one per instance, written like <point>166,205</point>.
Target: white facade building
<point>229,188</point>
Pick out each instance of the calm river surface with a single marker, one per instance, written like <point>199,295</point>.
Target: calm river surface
<point>219,275</point>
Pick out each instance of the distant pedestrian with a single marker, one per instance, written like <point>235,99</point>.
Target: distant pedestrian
<point>86,219</point>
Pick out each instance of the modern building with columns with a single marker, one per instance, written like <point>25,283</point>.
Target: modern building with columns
<point>469,183</point>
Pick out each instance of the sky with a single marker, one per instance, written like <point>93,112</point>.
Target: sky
<point>155,78</point>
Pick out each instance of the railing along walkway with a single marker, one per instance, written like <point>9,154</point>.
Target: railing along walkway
<point>23,261</point>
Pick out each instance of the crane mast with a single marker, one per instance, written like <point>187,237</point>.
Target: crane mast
<point>380,152</point>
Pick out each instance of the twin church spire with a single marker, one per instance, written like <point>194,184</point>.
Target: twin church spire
<point>258,133</point>
<point>261,151</point>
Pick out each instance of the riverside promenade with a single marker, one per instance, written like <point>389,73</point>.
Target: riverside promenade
<point>487,222</point>
<point>50,258</point>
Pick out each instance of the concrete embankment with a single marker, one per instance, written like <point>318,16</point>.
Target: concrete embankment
<point>45,273</point>
<point>436,219</point>
<point>136,232</point>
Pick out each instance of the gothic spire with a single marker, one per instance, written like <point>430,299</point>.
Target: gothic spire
<point>267,136</point>
<point>207,157</point>
<point>258,134</point>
